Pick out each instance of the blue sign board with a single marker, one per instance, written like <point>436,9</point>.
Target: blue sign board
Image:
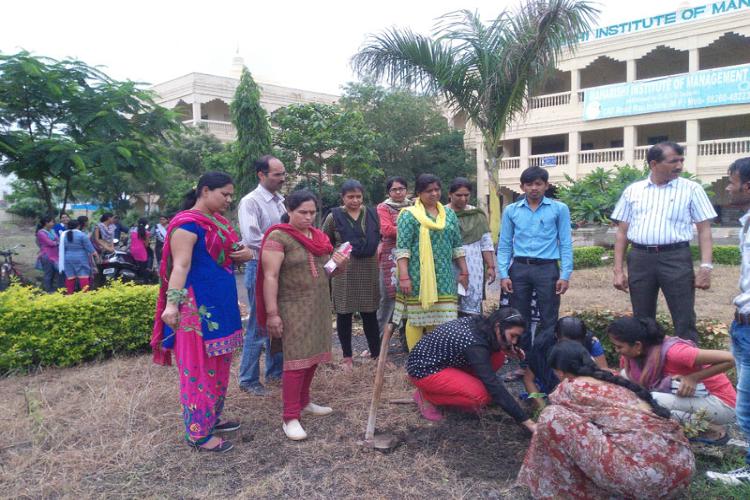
<point>700,89</point>
<point>549,161</point>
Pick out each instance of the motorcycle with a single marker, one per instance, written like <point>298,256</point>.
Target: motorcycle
<point>119,264</point>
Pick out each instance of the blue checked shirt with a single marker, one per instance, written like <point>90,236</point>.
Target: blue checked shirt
<point>541,234</point>
<point>662,215</point>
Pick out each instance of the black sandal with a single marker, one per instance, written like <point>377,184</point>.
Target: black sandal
<point>226,427</point>
<point>222,447</point>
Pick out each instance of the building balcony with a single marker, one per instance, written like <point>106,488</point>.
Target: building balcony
<point>224,131</point>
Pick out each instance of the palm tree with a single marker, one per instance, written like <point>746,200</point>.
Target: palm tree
<point>488,71</point>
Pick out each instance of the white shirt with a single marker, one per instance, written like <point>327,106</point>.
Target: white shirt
<point>662,215</point>
<point>259,210</point>
<point>742,301</point>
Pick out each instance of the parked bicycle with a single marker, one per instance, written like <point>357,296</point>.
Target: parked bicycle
<point>8,269</point>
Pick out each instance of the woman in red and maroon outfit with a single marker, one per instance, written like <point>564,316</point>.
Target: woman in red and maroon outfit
<point>294,304</point>
<point>388,214</point>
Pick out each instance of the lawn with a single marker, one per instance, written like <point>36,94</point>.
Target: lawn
<point>113,429</point>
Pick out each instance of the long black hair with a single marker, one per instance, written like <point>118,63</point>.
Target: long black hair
<point>211,180</point>
<point>72,224</point>
<point>505,317</point>
<point>572,357</point>
<point>572,328</point>
<point>142,223</point>
<point>631,330</point>
<point>294,200</point>
<point>43,221</point>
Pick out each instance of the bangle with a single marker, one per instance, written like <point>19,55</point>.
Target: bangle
<point>177,296</point>
<point>271,314</point>
<point>404,279</point>
<point>707,265</point>
<point>463,274</point>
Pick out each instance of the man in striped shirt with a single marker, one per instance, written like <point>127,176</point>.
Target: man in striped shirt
<point>656,215</point>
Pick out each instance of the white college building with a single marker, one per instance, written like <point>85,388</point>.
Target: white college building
<point>681,76</point>
<point>203,100</point>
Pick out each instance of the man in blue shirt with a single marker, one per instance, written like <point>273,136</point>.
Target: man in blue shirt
<point>535,235</point>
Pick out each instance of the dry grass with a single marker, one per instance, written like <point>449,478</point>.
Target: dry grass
<point>114,430</point>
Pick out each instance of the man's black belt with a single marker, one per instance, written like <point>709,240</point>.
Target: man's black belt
<point>533,261</point>
<point>661,248</point>
<point>742,319</point>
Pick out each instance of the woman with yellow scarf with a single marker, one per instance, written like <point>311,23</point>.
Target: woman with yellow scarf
<point>428,242</point>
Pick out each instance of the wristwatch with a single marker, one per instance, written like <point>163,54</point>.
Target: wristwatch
<point>707,266</point>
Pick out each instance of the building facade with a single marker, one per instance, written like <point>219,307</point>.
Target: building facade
<point>686,81</point>
<point>203,100</point>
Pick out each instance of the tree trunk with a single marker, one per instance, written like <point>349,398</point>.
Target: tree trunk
<point>46,196</point>
<point>319,213</point>
<point>65,196</point>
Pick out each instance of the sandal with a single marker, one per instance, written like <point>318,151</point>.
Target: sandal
<point>226,426</point>
<point>222,447</point>
<point>347,364</point>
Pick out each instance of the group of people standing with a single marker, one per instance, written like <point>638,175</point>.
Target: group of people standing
<point>69,251</point>
<point>426,264</point>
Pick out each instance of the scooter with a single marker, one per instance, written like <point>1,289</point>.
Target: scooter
<point>121,265</point>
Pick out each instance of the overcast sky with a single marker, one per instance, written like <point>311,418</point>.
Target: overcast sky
<point>303,44</point>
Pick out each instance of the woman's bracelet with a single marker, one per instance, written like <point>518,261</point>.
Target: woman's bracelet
<point>463,274</point>
<point>177,296</point>
<point>404,279</point>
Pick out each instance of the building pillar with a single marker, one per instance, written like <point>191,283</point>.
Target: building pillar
<point>692,138</point>
<point>630,75</point>
<point>483,183</point>
<point>525,152</point>
<point>575,85</point>
<point>693,60</point>
<point>196,113</point>
<point>574,147</point>
<point>629,142</point>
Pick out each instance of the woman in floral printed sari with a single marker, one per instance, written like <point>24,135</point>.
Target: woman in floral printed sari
<point>603,437</point>
<point>197,315</point>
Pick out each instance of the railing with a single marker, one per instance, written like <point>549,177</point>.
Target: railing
<point>510,162</point>
<point>581,93</point>
<point>639,153</point>
<point>609,155</point>
<point>549,100</point>
<point>736,146</point>
<point>548,160</point>
<point>221,129</point>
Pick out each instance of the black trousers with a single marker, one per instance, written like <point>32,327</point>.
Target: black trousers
<point>369,325</point>
<point>543,278</point>
<point>672,273</point>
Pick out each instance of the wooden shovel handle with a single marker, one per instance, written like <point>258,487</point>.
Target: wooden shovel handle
<point>379,377</point>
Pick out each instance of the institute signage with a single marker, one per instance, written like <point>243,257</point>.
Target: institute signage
<point>699,89</point>
<point>666,19</point>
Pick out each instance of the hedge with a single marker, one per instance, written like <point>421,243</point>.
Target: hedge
<point>586,257</point>
<point>712,334</point>
<point>38,329</point>
<point>722,254</point>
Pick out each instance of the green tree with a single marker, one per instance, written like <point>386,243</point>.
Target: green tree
<point>325,140</point>
<point>487,70</point>
<point>253,130</point>
<point>412,135</point>
<point>65,120</point>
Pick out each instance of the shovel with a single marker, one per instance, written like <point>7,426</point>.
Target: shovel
<point>382,442</point>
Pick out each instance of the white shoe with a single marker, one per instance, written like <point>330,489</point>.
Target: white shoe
<point>733,477</point>
<point>294,430</point>
<point>317,410</point>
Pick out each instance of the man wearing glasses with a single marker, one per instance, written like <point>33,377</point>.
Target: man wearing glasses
<point>656,215</point>
<point>259,210</point>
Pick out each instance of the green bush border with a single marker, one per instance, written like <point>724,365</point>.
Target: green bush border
<point>38,329</point>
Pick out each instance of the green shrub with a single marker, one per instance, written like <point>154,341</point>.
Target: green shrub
<point>37,329</point>
<point>586,257</point>
<point>722,254</point>
<point>712,334</point>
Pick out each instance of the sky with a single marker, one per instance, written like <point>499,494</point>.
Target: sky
<point>301,44</point>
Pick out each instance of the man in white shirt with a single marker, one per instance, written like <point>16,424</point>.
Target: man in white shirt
<point>739,189</point>
<point>259,210</point>
<point>656,215</point>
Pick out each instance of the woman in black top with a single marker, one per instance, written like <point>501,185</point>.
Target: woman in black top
<point>456,365</point>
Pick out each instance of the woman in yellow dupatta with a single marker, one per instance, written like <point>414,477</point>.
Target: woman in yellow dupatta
<point>428,242</point>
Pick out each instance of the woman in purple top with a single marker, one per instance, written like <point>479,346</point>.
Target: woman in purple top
<point>48,243</point>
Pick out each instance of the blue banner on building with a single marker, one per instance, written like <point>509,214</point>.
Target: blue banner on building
<point>700,89</point>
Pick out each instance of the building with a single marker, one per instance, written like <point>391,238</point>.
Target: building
<point>203,100</point>
<point>682,76</point>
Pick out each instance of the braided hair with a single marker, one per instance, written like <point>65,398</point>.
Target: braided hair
<point>572,357</point>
